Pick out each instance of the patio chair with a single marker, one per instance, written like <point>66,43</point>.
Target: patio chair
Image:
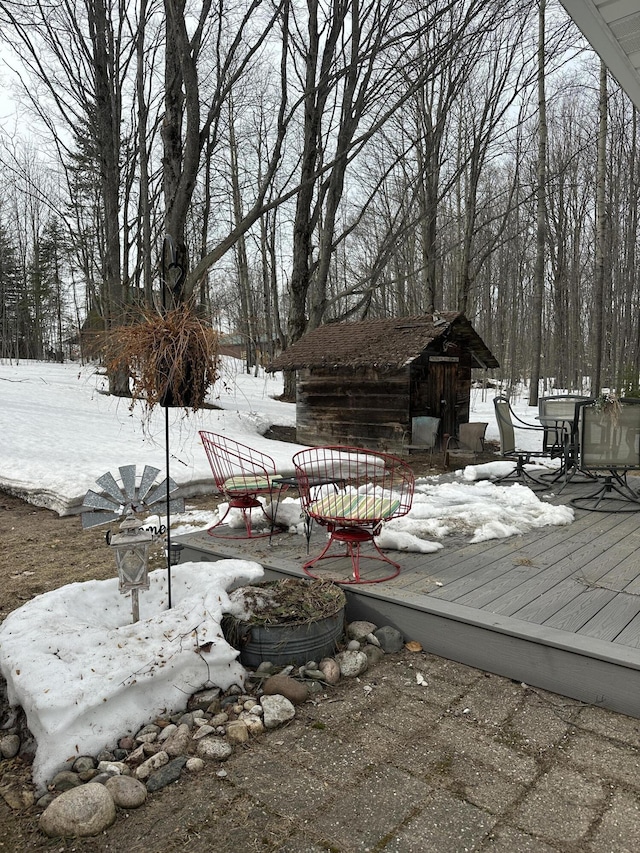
<point>468,442</point>
<point>424,435</point>
<point>508,422</point>
<point>608,449</point>
<point>369,488</point>
<point>241,474</point>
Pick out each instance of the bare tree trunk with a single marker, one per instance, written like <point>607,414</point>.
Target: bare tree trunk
<point>541,230</point>
<point>598,295</point>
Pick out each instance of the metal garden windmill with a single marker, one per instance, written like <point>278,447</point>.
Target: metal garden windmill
<point>124,502</point>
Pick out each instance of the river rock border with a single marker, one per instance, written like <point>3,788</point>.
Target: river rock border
<point>206,733</point>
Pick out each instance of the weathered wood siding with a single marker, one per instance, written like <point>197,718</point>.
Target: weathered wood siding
<point>372,408</point>
<point>363,407</point>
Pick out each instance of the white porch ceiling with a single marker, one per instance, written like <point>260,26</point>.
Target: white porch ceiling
<point>613,29</point>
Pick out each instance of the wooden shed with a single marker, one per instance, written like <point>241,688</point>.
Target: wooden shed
<point>363,383</point>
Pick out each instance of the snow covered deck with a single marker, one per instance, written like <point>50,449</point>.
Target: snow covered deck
<point>558,608</point>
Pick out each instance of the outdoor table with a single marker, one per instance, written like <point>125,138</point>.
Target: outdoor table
<point>281,484</point>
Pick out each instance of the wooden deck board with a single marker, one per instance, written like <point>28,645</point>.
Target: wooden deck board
<point>580,609</point>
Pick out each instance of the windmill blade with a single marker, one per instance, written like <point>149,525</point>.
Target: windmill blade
<point>128,475</point>
<point>94,519</point>
<point>160,492</point>
<point>108,483</point>
<point>176,505</point>
<point>95,501</point>
<point>148,478</point>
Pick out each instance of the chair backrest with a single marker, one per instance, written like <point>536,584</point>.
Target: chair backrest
<point>610,438</point>
<point>505,425</point>
<point>349,485</point>
<point>424,431</point>
<point>231,461</point>
<point>472,435</point>
<point>559,415</point>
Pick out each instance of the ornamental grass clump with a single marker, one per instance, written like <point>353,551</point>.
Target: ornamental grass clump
<point>292,601</point>
<point>173,358</point>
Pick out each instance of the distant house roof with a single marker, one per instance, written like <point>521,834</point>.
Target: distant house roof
<point>390,343</point>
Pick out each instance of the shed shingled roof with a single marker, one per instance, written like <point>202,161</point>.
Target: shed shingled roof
<point>389,343</point>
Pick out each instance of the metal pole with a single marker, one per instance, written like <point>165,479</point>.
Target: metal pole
<point>168,247</point>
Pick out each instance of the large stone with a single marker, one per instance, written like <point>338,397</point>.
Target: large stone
<point>352,664</point>
<point>295,691</point>
<point>127,792</point>
<point>277,710</point>
<point>84,811</point>
<point>390,639</point>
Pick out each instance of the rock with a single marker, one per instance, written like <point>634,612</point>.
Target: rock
<point>194,764</point>
<point>352,664</point>
<point>148,733</point>
<point>166,775</point>
<point>9,746</point>
<point>374,654</point>
<point>254,724</point>
<point>390,639</point>
<point>237,731</point>
<point>358,630</point>
<point>114,768</point>
<point>126,742</point>
<point>178,743</point>
<point>84,763</point>
<point>65,780</point>
<point>293,690</point>
<point>330,669</point>
<point>153,763</point>
<point>167,732</point>
<point>353,646</point>
<point>203,731</point>
<point>127,792</point>
<point>203,699</point>
<point>214,749</point>
<point>84,811</point>
<point>16,798</point>
<point>277,710</point>
<point>219,719</point>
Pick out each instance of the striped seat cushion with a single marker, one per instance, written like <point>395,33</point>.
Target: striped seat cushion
<point>246,483</point>
<point>354,507</point>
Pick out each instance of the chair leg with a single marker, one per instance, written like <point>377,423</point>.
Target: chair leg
<point>352,538</point>
<point>612,485</point>
<point>521,475</point>
<point>245,504</point>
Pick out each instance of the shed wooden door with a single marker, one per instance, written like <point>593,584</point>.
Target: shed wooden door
<point>442,391</point>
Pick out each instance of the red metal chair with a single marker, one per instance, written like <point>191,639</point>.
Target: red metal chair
<point>241,474</point>
<point>368,489</point>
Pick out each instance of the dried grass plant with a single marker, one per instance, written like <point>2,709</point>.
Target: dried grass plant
<point>173,358</point>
